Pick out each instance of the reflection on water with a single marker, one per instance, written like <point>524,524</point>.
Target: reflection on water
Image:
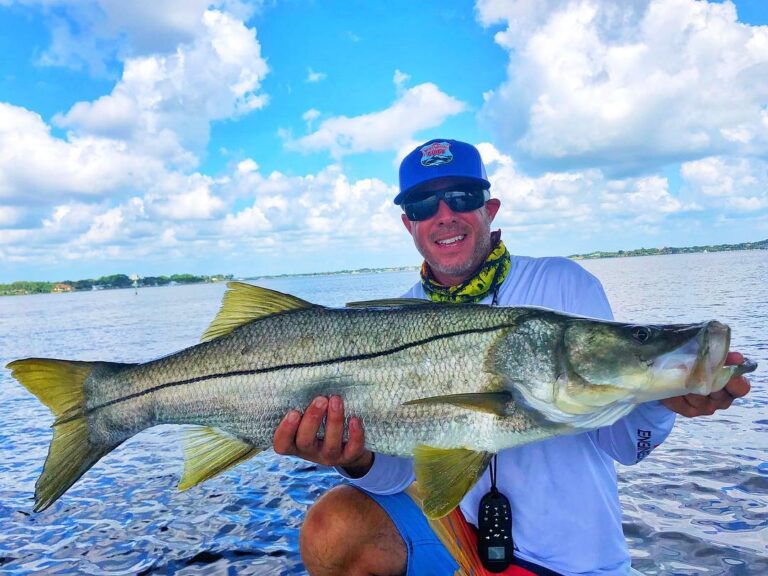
<point>698,505</point>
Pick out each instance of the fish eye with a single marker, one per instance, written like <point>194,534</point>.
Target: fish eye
<point>641,333</point>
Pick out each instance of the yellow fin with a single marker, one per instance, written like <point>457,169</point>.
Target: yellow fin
<point>59,384</point>
<point>446,475</point>
<point>244,303</point>
<point>388,303</point>
<point>491,402</point>
<point>209,452</point>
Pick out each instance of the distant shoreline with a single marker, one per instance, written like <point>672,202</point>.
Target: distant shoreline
<point>116,281</point>
<point>761,245</point>
<point>338,272</point>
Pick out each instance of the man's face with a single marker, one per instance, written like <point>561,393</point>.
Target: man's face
<point>454,244</point>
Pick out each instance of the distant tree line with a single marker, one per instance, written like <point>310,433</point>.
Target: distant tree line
<point>762,245</point>
<point>104,283</point>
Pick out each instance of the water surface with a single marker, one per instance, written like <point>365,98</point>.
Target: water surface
<point>697,505</point>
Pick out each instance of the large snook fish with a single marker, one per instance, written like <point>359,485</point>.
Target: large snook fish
<point>447,384</point>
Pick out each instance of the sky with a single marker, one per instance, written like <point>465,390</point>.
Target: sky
<point>263,137</point>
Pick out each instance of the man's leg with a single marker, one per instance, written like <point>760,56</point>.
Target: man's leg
<point>346,532</point>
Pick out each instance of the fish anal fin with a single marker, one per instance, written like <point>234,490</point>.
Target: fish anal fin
<point>243,303</point>
<point>490,402</point>
<point>209,451</point>
<point>446,475</point>
<point>389,303</point>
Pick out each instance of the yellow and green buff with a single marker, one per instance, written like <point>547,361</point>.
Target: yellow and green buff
<point>483,282</point>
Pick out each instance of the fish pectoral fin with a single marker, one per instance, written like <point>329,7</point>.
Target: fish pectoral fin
<point>491,402</point>
<point>389,303</point>
<point>244,303</point>
<point>209,451</point>
<point>446,475</point>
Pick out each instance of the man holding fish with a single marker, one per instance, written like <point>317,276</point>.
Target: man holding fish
<point>434,387</point>
<point>565,511</point>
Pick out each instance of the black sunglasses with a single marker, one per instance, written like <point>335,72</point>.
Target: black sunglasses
<point>457,200</point>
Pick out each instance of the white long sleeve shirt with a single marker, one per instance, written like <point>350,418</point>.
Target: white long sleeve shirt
<point>566,514</point>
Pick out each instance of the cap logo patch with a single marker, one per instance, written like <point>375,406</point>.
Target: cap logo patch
<point>436,154</point>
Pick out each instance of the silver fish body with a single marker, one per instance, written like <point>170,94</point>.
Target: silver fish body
<point>447,384</point>
<point>376,359</point>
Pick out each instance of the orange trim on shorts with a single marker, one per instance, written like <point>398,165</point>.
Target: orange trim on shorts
<point>459,538</point>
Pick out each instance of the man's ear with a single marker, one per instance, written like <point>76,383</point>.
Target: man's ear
<point>492,207</point>
<point>407,223</point>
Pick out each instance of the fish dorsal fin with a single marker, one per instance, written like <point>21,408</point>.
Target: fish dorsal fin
<point>446,475</point>
<point>491,402</point>
<point>244,303</point>
<point>209,451</point>
<point>388,303</point>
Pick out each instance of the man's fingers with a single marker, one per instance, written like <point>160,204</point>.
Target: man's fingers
<point>698,402</point>
<point>722,399</point>
<point>285,434</point>
<point>734,358</point>
<point>737,387</point>
<point>692,405</point>
<point>355,445</point>
<point>334,430</point>
<point>306,436</point>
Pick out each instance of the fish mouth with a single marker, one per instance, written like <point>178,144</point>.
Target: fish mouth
<point>714,341</point>
<point>694,367</point>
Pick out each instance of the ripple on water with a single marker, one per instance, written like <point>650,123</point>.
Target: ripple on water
<point>696,506</point>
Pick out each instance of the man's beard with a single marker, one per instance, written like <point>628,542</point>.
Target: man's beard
<point>467,268</point>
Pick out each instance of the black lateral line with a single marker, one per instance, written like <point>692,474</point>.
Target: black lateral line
<point>354,358</point>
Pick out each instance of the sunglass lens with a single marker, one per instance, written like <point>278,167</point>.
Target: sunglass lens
<point>421,209</point>
<point>457,200</point>
<point>464,201</point>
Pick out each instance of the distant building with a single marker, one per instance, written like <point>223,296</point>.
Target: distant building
<point>61,287</point>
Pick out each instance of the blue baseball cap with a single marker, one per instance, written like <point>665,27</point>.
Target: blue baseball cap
<point>439,158</point>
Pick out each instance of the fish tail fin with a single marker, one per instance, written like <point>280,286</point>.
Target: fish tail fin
<point>60,385</point>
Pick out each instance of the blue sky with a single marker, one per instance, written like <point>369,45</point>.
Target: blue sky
<point>263,137</point>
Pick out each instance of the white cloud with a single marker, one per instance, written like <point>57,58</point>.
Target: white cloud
<point>739,184</point>
<point>418,108</point>
<point>400,78</point>
<point>315,77</point>
<point>163,105</point>
<point>310,116</point>
<point>247,165</point>
<point>93,33</point>
<point>627,85</point>
<point>585,199</point>
<point>36,167</point>
<point>196,202</point>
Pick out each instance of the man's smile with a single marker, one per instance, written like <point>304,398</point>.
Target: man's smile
<point>451,240</point>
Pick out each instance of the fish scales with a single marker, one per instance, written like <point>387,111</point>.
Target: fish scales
<point>376,360</point>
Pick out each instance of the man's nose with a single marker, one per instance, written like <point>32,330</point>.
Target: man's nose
<point>444,212</point>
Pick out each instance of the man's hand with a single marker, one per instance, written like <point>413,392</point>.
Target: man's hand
<point>297,436</point>
<point>695,405</point>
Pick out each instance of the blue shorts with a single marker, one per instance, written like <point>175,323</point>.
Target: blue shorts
<point>426,554</point>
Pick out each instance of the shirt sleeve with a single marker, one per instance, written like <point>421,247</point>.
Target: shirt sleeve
<point>633,437</point>
<point>388,475</point>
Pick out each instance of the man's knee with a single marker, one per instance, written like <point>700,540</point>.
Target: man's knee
<point>346,532</point>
